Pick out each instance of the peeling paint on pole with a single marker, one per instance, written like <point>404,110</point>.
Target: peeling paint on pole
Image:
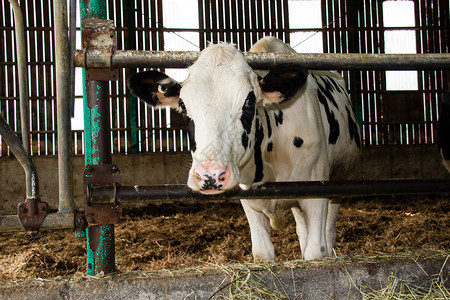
<point>100,238</point>
<point>101,252</point>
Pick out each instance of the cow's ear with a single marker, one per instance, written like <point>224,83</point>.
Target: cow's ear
<point>282,82</point>
<point>155,88</point>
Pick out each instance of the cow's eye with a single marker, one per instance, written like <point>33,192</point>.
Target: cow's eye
<point>250,101</point>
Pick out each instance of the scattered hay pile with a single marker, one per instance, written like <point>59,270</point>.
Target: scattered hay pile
<point>173,237</point>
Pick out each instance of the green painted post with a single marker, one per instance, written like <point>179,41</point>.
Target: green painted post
<point>133,124</point>
<point>100,238</point>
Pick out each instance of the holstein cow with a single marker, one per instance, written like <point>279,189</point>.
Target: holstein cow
<point>289,125</point>
<point>443,140</point>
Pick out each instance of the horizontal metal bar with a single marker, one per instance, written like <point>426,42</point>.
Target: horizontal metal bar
<point>312,61</point>
<point>51,221</point>
<point>279,190</point>
<point>275,190</point>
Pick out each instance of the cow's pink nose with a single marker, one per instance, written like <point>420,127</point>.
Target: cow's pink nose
<point>211,177</point>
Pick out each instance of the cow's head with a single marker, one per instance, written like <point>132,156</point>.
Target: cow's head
<point>219,102</point>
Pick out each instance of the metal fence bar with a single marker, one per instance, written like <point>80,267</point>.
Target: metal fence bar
<point>278,190</point>
<point>63,93</point>
<point>31,177</point>
<point>22,74</point>
<point>312,61</point>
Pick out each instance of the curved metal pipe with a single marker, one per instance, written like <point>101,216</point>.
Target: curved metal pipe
<point>32,183</point>
<point>22,73</point>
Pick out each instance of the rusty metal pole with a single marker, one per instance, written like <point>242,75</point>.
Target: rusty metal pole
<point>100,238</point>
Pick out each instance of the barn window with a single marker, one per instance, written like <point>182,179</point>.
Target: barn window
<point>398,16</point>
<point>306,16</point>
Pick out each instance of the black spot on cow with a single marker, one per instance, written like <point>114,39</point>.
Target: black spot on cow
<point>269,128</point>
<point>353,129</point>
<point>279,117</point>
<point>248,112</point>
<point>270,147</point>
<point>334,125</point>
<point>298,141</point>
<point>327,89</point>
<point>259,136</point>
<point>336,86</point>
<point>189,124</point>
<point>244,139</point>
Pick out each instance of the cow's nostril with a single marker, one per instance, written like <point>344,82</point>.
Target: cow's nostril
<point>197,177</point>
<point>222,176</point>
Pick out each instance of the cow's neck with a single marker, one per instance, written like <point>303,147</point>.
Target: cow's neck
<point>263,170</point>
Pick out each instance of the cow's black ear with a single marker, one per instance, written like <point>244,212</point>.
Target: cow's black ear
<point>155,88</point>
<point>282,82</point>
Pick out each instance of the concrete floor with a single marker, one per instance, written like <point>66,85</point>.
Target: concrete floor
<point>331,278</point>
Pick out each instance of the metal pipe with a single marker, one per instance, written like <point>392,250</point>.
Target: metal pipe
<point>100,238</point>
<point>72,43</point>
<point>97,92</point>
<point>315,61</point>
<point>21,48</point>
<point>278,190</point>
<point>32,183</point>
<point>63,93</point>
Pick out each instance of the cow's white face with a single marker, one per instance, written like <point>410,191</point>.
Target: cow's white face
<point>220,108</point>
<point>219,102</point>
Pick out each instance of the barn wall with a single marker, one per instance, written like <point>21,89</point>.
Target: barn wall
<point>346,26</point>
<point>172,168</point>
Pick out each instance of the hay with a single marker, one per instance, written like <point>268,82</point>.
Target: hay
<point>249,280</point>
<point>400,289</point>
<point>172,237</point>
<point>243,281</point>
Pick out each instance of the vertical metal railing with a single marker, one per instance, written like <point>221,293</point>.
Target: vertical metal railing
<point>63,93</point>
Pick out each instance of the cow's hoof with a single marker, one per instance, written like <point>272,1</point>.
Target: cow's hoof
<point>260,259</point>
<point>312,253</point>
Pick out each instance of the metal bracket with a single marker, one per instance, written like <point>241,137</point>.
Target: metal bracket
<point>99,37</point>
<point>103,214</point>
<point>101,176</point>
<point>80,224</point>
<point>32,213</point>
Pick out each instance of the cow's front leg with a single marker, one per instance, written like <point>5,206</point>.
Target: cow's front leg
<point>262,247</point>
<point>333,209</point>
<point>302,227</point>
<point>316,215</point>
